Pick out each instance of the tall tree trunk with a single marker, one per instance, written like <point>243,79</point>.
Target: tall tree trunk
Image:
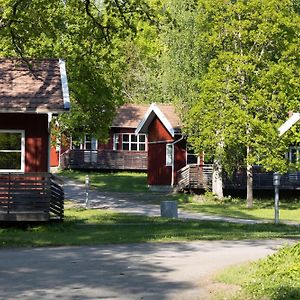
<point>249,182</point>
<point>217,180</point>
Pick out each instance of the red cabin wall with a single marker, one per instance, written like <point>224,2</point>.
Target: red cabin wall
<point>158,138</point>
<point>179,156</point>
<point>158,172</point>
<point>54,157</point>
<point>36,138</point>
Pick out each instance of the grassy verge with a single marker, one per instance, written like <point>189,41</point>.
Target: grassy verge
<point>127,182</point>
<point>276,277</point>
<point>236,208</point>
<point>90,227</point>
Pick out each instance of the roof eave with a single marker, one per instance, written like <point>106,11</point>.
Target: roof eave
<point>35,111</point>
<point>148,118</point>
<point>289,123</point>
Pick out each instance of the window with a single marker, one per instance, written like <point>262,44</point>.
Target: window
<point>12,151</point>
<point>115,141</point>
<point>132,142</point>
<point>90,143</point>
<point>169,154</point>
<point>294,154</point>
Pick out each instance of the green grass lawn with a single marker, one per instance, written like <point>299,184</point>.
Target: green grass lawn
<point>275,277</point>
<point>127,182</point>
<point>90,227</point>
<point>236,208</point>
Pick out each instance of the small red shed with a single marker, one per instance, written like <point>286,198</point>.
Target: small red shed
<point>30,94</point>
<point>166,145</point>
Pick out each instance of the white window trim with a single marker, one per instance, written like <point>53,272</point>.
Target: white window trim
<point>93,141</point>
<point>116,141</point>
<point>297,148</point>
<point>169,160</point>
<point>22,170</point>
<point>136,143</point>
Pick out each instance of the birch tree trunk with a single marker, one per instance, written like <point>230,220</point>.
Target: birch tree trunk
<point>217,180</point>
<point>249,182</point>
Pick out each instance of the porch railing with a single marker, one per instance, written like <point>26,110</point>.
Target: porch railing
<point>194,177</point>
<point>30,197</point>
<point>105,159</point>
<point>200,177</point>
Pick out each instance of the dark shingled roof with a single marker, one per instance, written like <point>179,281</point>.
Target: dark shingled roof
<point>34,89</point>
<point>130,115</point>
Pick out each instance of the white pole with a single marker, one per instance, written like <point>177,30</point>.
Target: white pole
<point>276,183</point>
<point>87,187</point>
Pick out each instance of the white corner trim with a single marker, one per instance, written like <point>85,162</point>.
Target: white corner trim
<point>64,84</point>
<point>289,123</point>
<point>145,118</point>
<point>148,117</point>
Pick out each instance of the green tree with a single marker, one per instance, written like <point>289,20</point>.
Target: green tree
<point>252,80</point>
<point>245,81</point>
<point>91,36</point>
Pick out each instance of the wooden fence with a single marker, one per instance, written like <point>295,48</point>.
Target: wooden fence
<point>31,197</point>
<point>105,159</point>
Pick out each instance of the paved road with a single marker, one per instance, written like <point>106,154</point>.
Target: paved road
<point>136,271</point>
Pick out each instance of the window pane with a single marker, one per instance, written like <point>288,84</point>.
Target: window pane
<point>10,141</point>
<point>125,146</point>
<point>142,147</point>
<point>88,145</point>
<point>10,161</point>
<point>142,138</point>
<point>169,154</point>
<point>134,147</point>
<point>133,138</point>
<point>126,137</point>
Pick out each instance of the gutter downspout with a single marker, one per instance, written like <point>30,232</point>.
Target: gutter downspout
<point>49,140</point>
<point>173,159</point>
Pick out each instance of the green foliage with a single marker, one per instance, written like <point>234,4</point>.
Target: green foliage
<point>91,37</point>
<point>277,277</point>
<point>233,69</point>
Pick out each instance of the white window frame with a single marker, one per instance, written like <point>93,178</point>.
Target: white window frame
<point>169,155</point>
<point>297,148</point>
<point>22,151</point>
<point>116,139</point>
<point>93,141</point>
<point>138,143</point>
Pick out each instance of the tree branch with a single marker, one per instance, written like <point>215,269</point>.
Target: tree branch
<point>100,26</point>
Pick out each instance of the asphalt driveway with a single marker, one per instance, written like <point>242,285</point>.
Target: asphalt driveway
<point>136,271</point>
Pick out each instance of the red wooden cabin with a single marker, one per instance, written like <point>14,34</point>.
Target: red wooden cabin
<point>30,94</point>
<point>166,145</point>
<point>123,151</point>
